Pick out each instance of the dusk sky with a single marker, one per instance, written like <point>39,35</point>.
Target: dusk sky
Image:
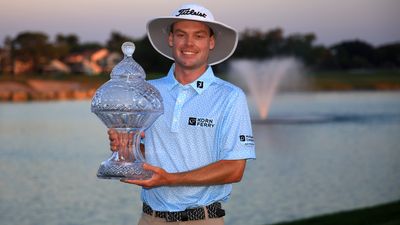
<point>374,21</point>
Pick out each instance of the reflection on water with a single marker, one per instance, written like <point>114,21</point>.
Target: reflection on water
<point>317,153</point>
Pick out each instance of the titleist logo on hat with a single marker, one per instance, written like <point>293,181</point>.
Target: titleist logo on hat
<point>189,11</point>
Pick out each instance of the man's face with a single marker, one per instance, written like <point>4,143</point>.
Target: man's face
<point>191,42</point>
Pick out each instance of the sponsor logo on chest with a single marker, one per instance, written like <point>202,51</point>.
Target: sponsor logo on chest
<point>201,122</point>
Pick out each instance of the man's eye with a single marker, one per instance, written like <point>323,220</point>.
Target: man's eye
<point>200,36</point>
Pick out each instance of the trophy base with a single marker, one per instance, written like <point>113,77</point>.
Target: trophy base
<point>123,170</point>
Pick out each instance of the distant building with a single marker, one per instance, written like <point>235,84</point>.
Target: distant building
<point>56,67</point>
<point>88,62</point>
<point>21,66</point>
<point>92,62</point>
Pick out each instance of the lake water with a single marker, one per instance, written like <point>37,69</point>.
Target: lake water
<point>319,153</point>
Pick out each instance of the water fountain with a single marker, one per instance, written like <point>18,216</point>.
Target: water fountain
<point>263,78</point>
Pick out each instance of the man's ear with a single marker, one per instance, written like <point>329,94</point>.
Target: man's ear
<point>170,40</point>
<point>212,42</point>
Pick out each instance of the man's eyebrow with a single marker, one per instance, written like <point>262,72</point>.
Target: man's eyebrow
<point>201,31</point>
<point>178,31</point>
<point>196,32</point>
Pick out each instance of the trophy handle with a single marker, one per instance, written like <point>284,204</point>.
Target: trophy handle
<point>136,144</point>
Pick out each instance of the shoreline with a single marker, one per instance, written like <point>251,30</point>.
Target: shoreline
<point>44,90</point>
<point>36,89</point>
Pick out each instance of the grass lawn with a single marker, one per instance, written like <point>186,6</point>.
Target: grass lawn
<point>386,214</point>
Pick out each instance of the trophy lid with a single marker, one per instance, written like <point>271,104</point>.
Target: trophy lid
<point>128,67</point>
<point>127,100</point>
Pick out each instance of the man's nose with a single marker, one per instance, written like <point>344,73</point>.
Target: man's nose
<point>189,40</point>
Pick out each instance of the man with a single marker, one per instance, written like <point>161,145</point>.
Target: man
<point>200,145</point>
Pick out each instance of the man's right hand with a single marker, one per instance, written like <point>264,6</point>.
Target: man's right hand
<point>119,140</point>
<point>113,137</point>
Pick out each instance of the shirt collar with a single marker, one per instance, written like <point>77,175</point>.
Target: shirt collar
<point>199,85</point>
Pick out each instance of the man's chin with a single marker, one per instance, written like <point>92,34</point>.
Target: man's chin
<point>188,64</point>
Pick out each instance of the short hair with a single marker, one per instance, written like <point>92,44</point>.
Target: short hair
<point>171,29</point>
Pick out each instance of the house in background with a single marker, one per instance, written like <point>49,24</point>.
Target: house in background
<point>56,67</point>
<point>22,66</point>
<point>92,62</point>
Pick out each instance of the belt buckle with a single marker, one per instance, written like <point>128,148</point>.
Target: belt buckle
<point>188,214</point>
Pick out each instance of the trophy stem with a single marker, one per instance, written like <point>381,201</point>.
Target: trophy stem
<point>125,140</point>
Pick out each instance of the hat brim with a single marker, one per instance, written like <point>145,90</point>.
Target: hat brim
<point>226,38</point>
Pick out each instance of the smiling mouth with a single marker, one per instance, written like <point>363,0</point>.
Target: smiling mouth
<point>188,52</point>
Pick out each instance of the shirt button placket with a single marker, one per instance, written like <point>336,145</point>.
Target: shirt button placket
<point>180,100</point>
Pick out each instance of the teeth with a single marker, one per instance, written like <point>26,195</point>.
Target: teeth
<point>188,53</point>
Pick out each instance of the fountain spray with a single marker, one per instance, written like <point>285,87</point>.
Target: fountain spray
<point>264,77</point>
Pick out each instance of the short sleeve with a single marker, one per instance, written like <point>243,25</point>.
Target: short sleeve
<point>237,140</point>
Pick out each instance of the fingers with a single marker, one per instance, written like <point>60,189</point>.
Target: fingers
<point>154,181</point>
<point>113,137</point>
<point>147,166</point>
<point>137,182</point>
<point>142,183</point>
<point>112,134</point>
<point>113,146</point>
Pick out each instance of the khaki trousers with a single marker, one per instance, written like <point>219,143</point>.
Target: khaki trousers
<point>152,220</point>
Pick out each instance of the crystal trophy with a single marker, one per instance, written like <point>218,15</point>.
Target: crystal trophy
<point>128,104</point>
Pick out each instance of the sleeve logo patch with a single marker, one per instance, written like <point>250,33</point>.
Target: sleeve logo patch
<point>246,140</point>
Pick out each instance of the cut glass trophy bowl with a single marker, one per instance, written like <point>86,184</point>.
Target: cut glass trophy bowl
<point>128,104</point>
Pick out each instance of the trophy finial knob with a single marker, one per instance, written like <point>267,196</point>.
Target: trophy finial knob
<point>128,48</point>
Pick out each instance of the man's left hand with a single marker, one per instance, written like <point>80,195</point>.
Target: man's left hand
<point>159,177</point>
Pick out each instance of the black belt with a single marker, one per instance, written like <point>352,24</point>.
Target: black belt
<point>214,211</point>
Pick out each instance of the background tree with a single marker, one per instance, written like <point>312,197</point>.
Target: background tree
<point>145,55</point>
<point>33,46</point>
<point>6,58</point>
<point>322,58</point>
<point>151,61</point>
<point>354,55</point>
<point>253,44</point>
<point>257,44</point>
<point>301,47</point>
<point>65,44</point>
<point>88,46</point>
<point>274,41</point>
<point>388,56</point>
<point>116,40</point>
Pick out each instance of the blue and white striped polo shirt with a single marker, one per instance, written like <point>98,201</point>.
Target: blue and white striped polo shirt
<point>203,122</point>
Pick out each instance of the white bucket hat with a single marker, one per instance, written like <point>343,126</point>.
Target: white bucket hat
<point>226,37</point>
